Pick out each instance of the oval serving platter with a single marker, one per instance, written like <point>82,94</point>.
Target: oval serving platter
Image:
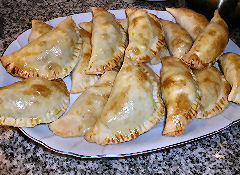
<point>145,143</point>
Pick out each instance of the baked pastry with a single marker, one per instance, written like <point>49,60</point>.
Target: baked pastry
<point>33,101</point>
<point>230,63</point>
<point>108,42</point>
<point>181,95</point>
<point>38,28</point>
<point>80,80</point>
<point>134,106</point>
<point>146,35</point>
<point>84,112</point>
<point>194,23</point>
<point>51,56</point>
<point>214,90</point>
<point>179,42</point>
<point>88,25</point>
<point>209,44</point>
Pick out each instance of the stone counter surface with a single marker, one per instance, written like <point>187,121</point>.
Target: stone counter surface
<point>217,154</point>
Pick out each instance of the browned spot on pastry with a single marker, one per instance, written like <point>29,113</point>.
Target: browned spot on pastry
<point>135,51</point>
<point>87,55</point>
<point>142,77</point>
<point>136,132</point>
<point>168,82</point>
<point>183,102</point>
<point>38,90</point>
<point>105,36</point>
<point>119,101</point>
<point>60,85</point>
<point>136,20</point>
<point>42,43</point>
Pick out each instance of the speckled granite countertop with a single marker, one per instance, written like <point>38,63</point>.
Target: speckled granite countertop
<point>217,154</point>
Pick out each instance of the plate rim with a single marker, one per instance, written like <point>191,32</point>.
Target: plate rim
<point>128,154</point>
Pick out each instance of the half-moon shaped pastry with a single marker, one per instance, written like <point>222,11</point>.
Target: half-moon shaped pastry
<point>134,106</point>
<point>209,44</point>
<point>179,42</point>
<point>194,23</point>
<point>86,109</point>
<point>230,63</point>
<point>51,56</point>
<point>33,101</point>
<point>80,80</point>
<point>88,25</point>
<point>214,90</point>
<point>38,28</point>
<point>146,35</point>
<point>108,42</point>
<point>180,94</point>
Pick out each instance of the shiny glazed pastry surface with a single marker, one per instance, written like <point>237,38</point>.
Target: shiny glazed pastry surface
<point>230,63</point>
<point>181,95</point>
<point>214,90</point>
<point>193,22</point>
<point>134,106</point>
<point>108,42</point>
<point>86,109</point>
<point>146,35</point>
<point>179,42</point>
<point>33,101</point>
<point>209,44</point>
<point>51,56</point>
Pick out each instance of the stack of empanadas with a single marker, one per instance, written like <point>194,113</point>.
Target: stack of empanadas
<point>122,97</point>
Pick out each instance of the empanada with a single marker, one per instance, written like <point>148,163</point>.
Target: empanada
<point>209,44</point>
<point>38,28</point>
<point>80,80</point>
<point>146,35</point>
<point>108,42</point>
<point>214,90</point>
<point>88,25</point>
<point>230,63</point>
<point>33,101</point>
<point>51,56</point>
<point>86,109</point>
<point>194,23</point>
<point>180,93</point>
<point>179,42</point>
<point>134,106</point>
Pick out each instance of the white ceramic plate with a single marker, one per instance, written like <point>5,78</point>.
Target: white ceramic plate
<point>147,142</point>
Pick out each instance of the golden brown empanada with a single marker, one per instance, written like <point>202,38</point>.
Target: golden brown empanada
<point>146,35</point>
<point>88,25</point>
<point>230,63</point>
<point>134,106</point>
<point>179,42</point>
<point>180,94</point>
<point>209,44</point>
<point>214,90</point>
<point>86,109</point>
<point>194,23</point>
<point>38,28</point>
<point>108,42</point>
<point>33,101</point>
<point>80,80</point>
<point>51,56</point>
